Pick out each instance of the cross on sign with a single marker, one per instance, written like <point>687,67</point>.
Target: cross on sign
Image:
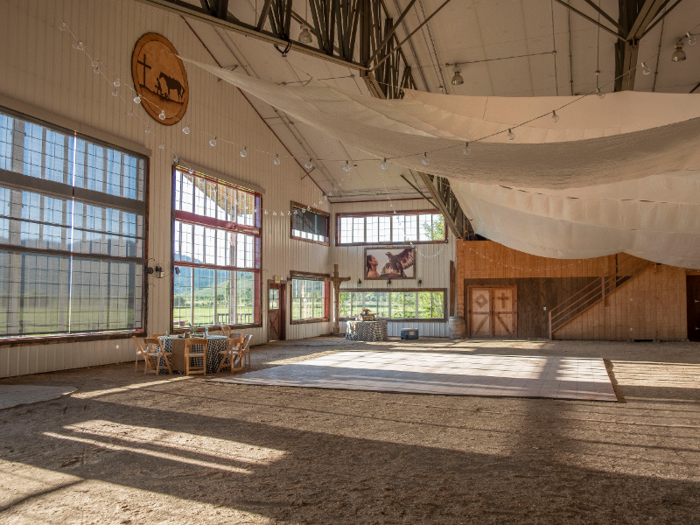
<point>145,66</point>
<point>335,281</point>
<point>503,298</point>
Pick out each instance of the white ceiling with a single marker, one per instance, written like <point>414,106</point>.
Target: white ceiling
<point>464,31</point>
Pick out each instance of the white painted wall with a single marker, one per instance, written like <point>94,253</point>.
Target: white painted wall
<point>41,69</point>
<point>432,264</point>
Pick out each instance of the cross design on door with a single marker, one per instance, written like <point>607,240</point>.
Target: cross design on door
<point>503,298</point>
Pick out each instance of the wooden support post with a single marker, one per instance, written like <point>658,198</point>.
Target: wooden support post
<point>549,315</point>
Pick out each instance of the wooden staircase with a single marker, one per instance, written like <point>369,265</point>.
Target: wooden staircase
<point>595,292</point>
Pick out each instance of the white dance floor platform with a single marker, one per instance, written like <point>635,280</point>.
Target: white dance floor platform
<point>444,374</point>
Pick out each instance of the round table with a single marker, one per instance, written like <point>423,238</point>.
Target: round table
<point>176,345</point>
<point>366,330</point>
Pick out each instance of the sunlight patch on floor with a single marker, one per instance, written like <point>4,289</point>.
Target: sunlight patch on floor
<point>657,374</point>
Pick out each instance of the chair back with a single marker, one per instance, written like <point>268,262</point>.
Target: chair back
<point>248,338</point>
<point>139,347</point>
<point>154,344</point>
<point>225,330</point>
<point>189,343</point>
<point>235,342</point>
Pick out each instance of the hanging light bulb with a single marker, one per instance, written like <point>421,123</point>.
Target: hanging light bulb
<point>309,165</point>
<point>115,93</point>
<point>265,212</point>
<point>276,161</point>
<point>96,67</point>
<point>691,39</point>
<point>457,79</point>
<point>148,130</point>
<point>555,117</point>
<point>130,113</point>
<point>466,149</point>
<point>646,70</point>
<point>678,55</point>
<point>212,142</point>
<point>274,213</point>
<point>176,160</point>
<point>384,165</point>
<point>599,94</point>
<point>161,116</point>
<point>79,45</point>
<point>162,145</point>
<point>346,168</point>
<point>244,152</point>
<point>137,99</point>
<point>511,135</point>
<point>117,82</point>
<point>308,208</point>
<point>62,27</point>
<point>289,213</point>
<point>305,37</point>
<point>426,160</point>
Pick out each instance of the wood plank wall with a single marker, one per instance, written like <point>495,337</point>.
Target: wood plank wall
<point>652,305</point>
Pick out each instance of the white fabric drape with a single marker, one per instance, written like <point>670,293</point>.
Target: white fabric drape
<point>619,174</point>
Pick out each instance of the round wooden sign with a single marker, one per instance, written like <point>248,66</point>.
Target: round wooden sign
<point>160,78</point>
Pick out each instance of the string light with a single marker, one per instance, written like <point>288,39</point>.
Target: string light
<point>346,168</point>
<point>691,39</point>
<point>117,82</point>
<point>244,152</point>
<point>309,164</point>
<point>555,117</point>
<point>426,160</point>
<point>384,165</point>
<point>137,99</point>
<point>212,142</point>
<point>276,161</point>
<point>96,67</point>
<point>79,45</point>
<point>161,115</point>
<point>176,160</point>
<point>115,93</point>
<point>162,145</point>
<point>186,130</point>
<point>130,113</point>
<point>599,94</point>
<point>511,135</point>
<point>148,130</point>
<point>466,149</point>
<point>62,27</point>
<point>646,70</point>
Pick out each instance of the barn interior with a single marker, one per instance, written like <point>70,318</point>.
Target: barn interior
<point>349,261</point>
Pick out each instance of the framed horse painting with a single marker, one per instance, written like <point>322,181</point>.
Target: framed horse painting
<point>396,262</point>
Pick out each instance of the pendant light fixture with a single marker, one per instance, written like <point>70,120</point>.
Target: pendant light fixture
<point>457,79</point>
<point>678,55</point>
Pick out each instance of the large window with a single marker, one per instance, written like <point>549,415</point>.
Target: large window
<point>216,249</point>
<point>308,225</point>
<point>416,227</point>
<point>398,305</point>
<point>72,224</point>
<point>309,299</point>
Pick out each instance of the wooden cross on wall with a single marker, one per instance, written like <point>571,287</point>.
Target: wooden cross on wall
<point>335,281</point>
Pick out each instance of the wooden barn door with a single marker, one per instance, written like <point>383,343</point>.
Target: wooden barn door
<point>276,309</point>
<point>492,311</point>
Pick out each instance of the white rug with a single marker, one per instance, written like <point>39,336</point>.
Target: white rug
<point>15,395</point>
<point>445,374</point>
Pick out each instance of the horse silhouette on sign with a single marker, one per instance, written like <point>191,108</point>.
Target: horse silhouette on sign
<point>169,83</point>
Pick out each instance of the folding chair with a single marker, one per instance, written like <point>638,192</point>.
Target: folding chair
<point>155,351</point>
<point>233,354</point>
<point>226,331</point>
<point>191,353</point>
<point>245,351</point>
<point>141,352</point>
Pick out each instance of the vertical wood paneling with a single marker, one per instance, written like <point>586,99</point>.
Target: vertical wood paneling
<point>42,69</point>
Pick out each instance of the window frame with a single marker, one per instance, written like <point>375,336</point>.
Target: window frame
<point>364,215</point>
<point>442,319</point>
<point>70,128</point>
<point>308,276</point>
<point>194,219</point>
<point>322,213</point>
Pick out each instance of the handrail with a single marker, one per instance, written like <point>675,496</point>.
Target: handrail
<point>593,293</point>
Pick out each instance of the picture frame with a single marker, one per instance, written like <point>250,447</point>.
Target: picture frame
<point>392,262</point>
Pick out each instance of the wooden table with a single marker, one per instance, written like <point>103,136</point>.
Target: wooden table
<point>176,345</point>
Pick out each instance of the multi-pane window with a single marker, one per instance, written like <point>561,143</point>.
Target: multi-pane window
<point>309,225</point>
<point>71,245</point>
<point>216,249</point>
<point>390,228</point>
<point>309,299</point>
<point>424,304</point>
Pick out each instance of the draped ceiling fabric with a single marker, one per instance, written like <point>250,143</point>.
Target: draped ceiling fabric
<point>619,174</point>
